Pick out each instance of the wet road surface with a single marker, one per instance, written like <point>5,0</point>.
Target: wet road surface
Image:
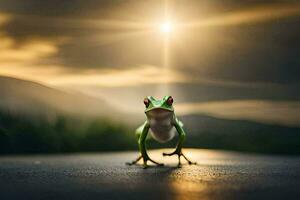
<point>218,175</point>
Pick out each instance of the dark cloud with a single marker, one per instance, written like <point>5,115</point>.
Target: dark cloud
<point>54,7</point>
<point>262,52</point>
<point>266,52</point>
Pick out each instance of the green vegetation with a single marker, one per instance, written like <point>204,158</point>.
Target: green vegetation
<point>21,134</point>
<point>241,135</point>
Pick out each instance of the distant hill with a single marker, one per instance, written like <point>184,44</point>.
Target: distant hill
<point>27,97</point>
<point>242,135</point>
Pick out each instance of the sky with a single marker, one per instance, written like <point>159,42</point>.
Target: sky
<point>240,57</point>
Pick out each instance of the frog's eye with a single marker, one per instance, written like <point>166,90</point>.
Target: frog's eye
<point>146,102</point>
<point>170,101</point>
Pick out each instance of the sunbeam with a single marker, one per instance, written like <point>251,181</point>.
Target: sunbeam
<point>110,38</point>
<point>166,28</point>
<point>97,24</point>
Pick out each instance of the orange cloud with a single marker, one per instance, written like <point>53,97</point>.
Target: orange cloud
<point>120,77</point>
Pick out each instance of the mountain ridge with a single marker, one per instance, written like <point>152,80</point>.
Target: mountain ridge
<point>18,95</point>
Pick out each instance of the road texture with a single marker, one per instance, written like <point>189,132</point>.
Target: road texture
<point>218,175</point>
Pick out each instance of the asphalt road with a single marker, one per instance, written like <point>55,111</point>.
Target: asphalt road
<point>219,175</point>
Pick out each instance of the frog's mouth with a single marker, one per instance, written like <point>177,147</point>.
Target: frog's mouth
<point>159,113</point>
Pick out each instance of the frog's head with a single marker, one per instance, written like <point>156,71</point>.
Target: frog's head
<point>158,108</point>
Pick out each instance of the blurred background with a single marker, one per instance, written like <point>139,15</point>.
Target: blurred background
<point>73,73</point>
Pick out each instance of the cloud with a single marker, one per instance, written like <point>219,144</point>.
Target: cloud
<point>4,18</point>
<point>266,111</point>
<point>119,77</point>
<point>27,59</point>
<point>101,37</point>
<point>255,14</point>
<point>27,52</point>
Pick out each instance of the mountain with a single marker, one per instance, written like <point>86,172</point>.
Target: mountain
<point>27,97</point>
<point>242,135</point>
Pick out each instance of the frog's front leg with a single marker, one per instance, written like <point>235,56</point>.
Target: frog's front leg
<point>142,134</point>
<point>138,134</point>
<point>178,150</point>
<point>142,146</point>
<point>134,161</point>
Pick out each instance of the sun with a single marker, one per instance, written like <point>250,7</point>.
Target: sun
<point>166,27</point>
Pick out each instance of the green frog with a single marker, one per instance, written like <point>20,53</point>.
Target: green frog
<point>162,124</point>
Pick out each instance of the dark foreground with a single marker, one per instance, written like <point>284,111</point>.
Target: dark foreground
<point>219,175</point>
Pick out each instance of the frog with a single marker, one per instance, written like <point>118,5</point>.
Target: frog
<point>162,124</point>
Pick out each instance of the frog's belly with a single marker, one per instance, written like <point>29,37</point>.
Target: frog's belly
<point>162,133</point>
<point>161,127</point>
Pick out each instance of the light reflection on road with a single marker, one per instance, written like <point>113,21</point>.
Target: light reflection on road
<point>203,180</point>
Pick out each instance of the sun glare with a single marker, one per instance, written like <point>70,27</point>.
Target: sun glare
<point>166,27</point>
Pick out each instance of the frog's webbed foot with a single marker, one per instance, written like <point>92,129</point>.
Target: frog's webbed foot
<point>145,162</point>
<point>145,165</point>
<point>179,154</point>
<point>134,161</point>
<point>157,163</point>
<point>188,160</point>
